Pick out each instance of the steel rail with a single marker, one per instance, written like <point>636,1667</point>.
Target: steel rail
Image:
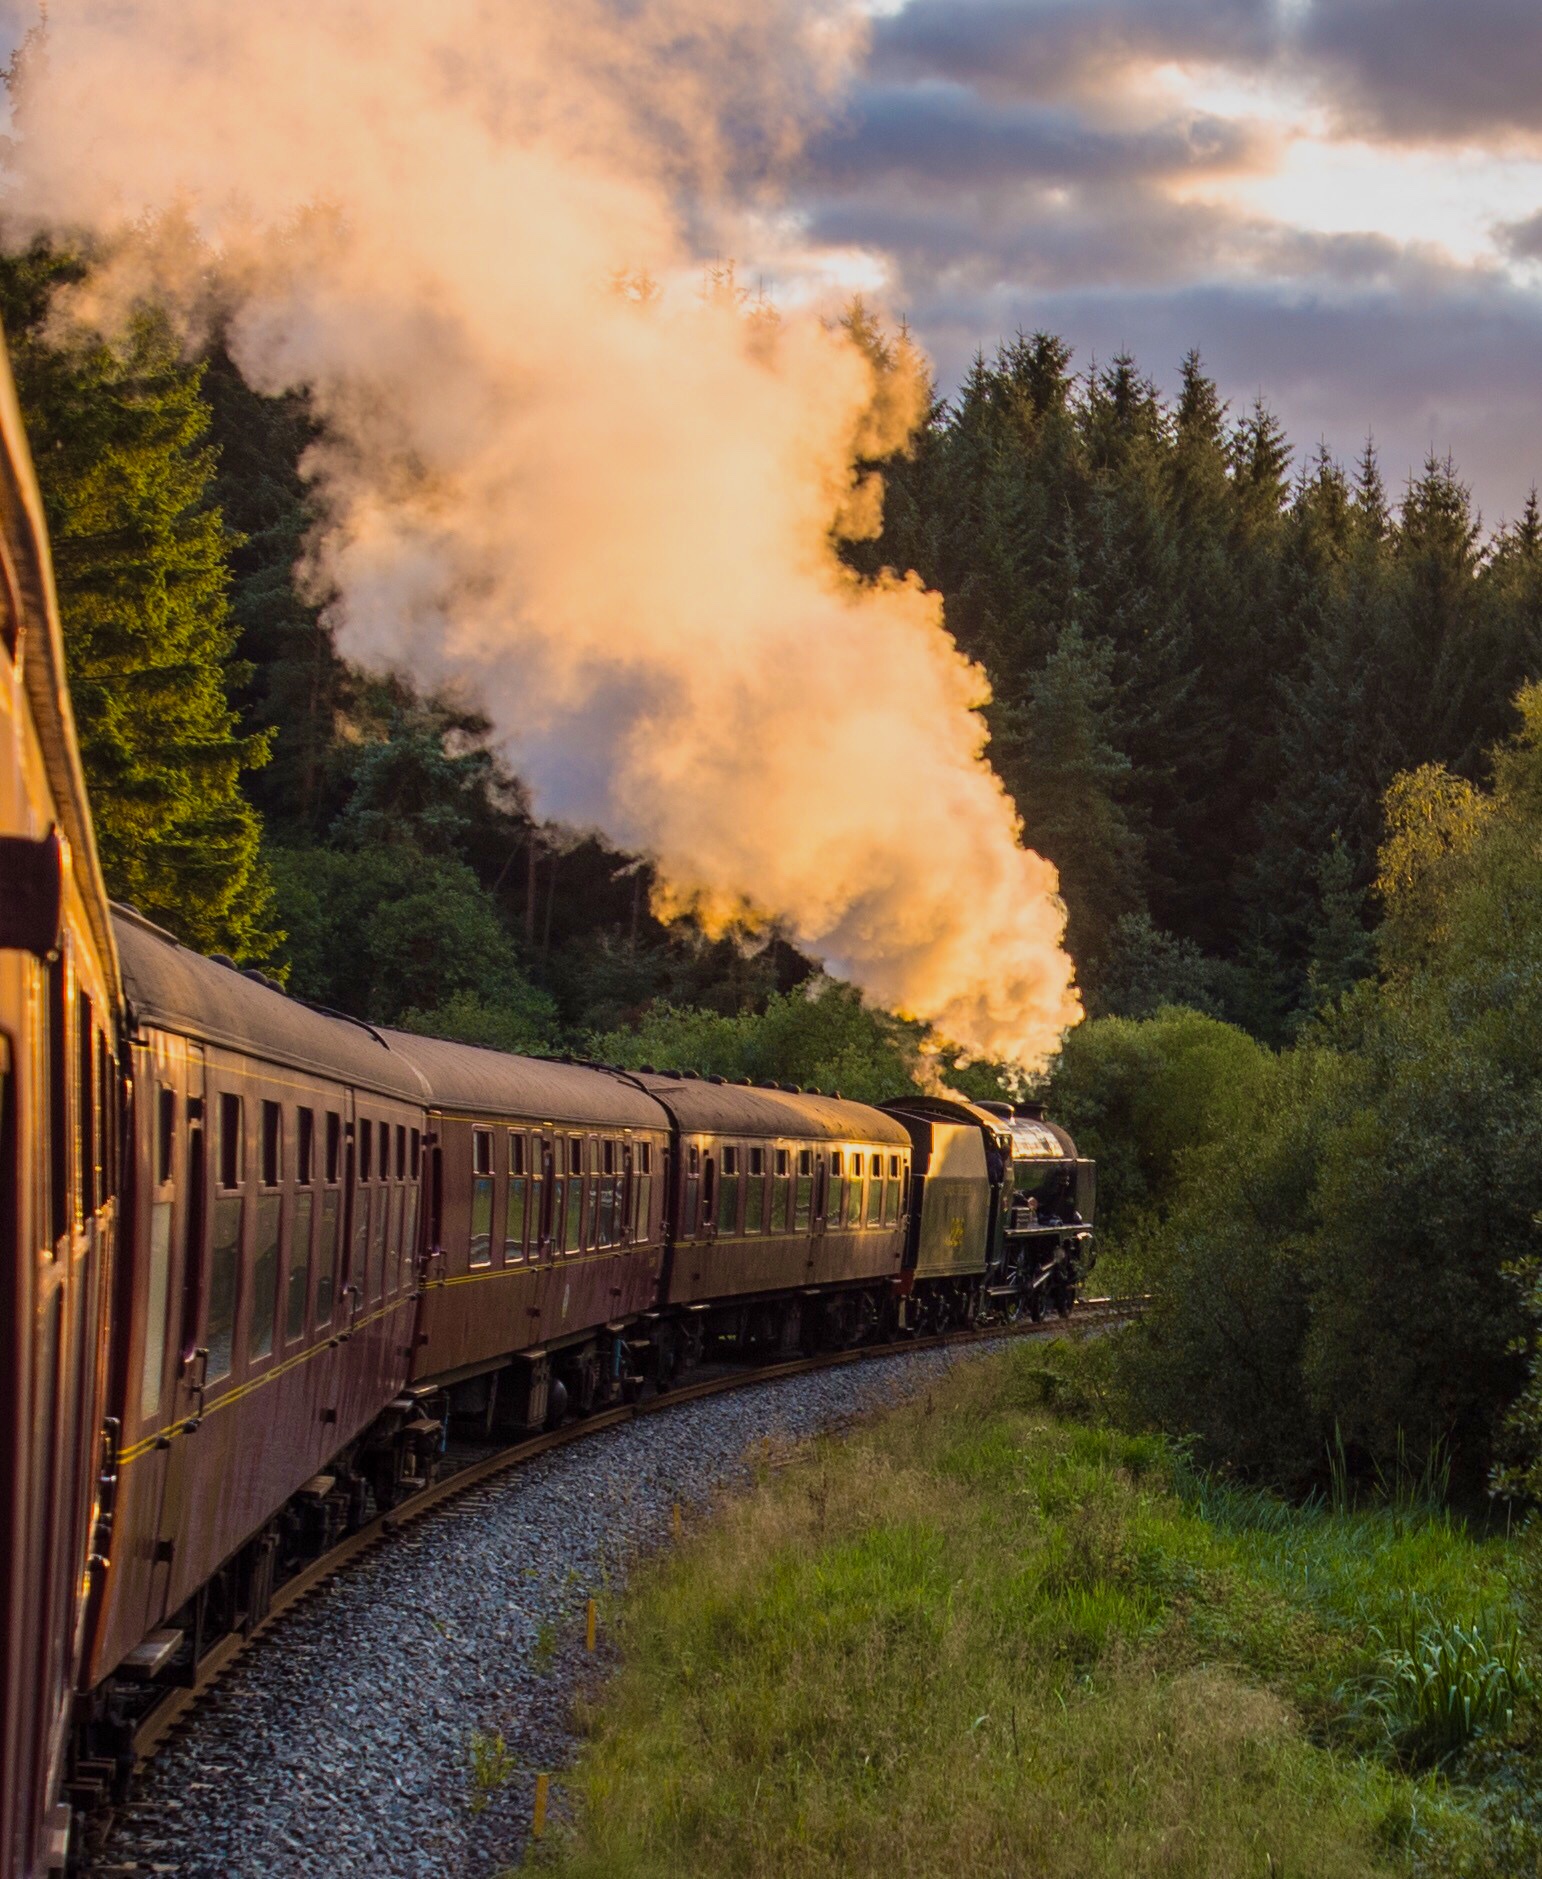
<point>168,1711</point>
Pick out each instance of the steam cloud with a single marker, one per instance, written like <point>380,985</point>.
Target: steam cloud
<point>558,475</point>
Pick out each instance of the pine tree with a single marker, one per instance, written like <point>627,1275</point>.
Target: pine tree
<point>298,683</point>
<point>1341,948</point>
<point>141,551</point>
<point>1059,757</point>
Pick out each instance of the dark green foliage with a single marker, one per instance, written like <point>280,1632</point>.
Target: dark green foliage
<point>380,931</point>
<point>1348,1254</point>
<point>120,438</point>
<point>1142,970</point>
<point>822,1037</point>
<point>1140,1097</point>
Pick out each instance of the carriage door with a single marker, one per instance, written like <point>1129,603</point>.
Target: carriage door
<point>187,1282</point>
<point>551,1212</point>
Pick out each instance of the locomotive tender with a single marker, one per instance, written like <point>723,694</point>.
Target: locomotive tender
<point>260,1259</point>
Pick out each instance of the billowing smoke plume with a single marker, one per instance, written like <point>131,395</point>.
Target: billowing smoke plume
<point>557,474</point>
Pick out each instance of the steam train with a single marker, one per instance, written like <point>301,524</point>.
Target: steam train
<point>260,1259</point>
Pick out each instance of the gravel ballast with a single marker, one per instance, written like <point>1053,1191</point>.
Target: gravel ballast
<point>341,1744</point>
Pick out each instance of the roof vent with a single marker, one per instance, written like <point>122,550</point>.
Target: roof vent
<point>717,1079</point>
<point>792,1089</point>
<point>224,959</point>
<point>646,1070</point>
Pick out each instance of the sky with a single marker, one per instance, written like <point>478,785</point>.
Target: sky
<point>1338,202</point>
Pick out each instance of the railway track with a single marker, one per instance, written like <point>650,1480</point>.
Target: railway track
<point>173,1708</point>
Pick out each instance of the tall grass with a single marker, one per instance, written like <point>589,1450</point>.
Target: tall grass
<point>977,1637</point>
<point>1445,1682</point>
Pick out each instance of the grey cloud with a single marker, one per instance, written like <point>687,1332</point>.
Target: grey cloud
<point>1405,69</point>
<point>1523,239</point>
<point>1045,48</point>
<point>941,135</point>
<point>1429,68</point>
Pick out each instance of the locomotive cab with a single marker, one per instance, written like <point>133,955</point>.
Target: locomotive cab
<point>1047,1242</point>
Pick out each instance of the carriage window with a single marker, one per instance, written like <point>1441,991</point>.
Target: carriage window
<point>642,1187</point>
<point>610,1197</point>
<point>260,1326</point>
<point>385,1151</point>
<point>272,1140</point>
<point>165,1134</point>
<point>224,1263</point>
<point>326,1254</point>
<point>515,1212</point>
<point>482,1197</point>
<point>401,1152</point>
<point>88,1135</point>
<point>358,1253</point>
<point>779,1189</point>
<point>854,1192</point>
<point>377,1244</point>
<point>299,1261</point>
<point>728,1192</point>
<point>334,1136</point>
<point>107,1134</point>
<point>415,1143</point>
<point>305,1153</point>
<point>366,1149</point>
<point>545,1195</point>
<point>755,1192</point>
<point>159,1287</point>
<point>409,1229</point>
<point>805,1189</point>
<point>232,1144</point>
<point>875,1190</point>
<point>891,1193</point>
<point>834,1189</point>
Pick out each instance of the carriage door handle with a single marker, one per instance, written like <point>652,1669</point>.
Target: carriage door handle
<point>199,1389</point>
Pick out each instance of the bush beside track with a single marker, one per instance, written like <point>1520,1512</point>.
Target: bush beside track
<point>984,1635</point>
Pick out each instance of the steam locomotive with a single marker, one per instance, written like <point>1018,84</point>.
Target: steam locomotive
<point>260,1259</point>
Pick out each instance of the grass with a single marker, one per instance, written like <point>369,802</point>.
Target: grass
<point>981,1636</point>
<point>492,1765</point>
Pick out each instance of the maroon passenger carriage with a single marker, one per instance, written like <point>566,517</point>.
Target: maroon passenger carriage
<point>58,1179</point>
<point>787,1215</point>
<point>546,1231</point>
<point>265,1305</point>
